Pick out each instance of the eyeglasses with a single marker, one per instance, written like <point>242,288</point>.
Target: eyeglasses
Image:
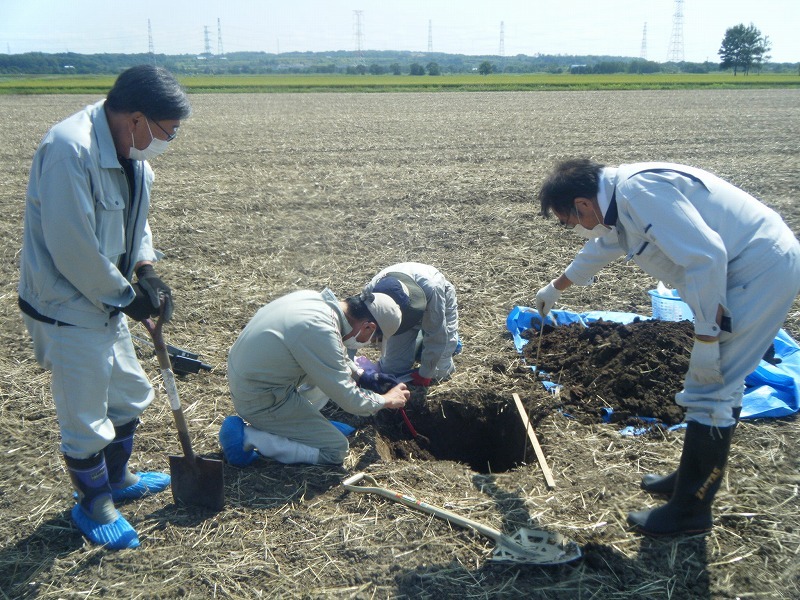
<point>566,224</point>
<point>170,136</point>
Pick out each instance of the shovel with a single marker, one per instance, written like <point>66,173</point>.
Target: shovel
<point>528,546</point>
<point>196,481</point>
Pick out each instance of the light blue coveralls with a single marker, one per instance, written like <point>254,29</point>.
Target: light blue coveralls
<point>78,256</point>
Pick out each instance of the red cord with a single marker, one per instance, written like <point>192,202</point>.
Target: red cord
<point>408,423</point>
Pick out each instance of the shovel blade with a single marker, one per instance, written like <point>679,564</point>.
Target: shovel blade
<point>197,482</point>
<point>536,547</point>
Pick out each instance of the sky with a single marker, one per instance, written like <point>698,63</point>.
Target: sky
<point>476,27</point>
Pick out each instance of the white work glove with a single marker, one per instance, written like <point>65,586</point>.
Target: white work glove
<point>704,364</point>
<point>546,298</point>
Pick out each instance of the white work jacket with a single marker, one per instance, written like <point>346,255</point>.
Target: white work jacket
<point>686,227</point>
<point>75,232</point>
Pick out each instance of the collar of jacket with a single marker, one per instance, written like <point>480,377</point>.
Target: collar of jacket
<point>608,184</point>
<point>103,137</point>
<point>333,302</point>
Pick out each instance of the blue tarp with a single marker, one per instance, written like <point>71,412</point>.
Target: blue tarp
<point>770,390</point>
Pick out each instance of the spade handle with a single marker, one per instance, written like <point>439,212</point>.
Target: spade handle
<point>155,331</point>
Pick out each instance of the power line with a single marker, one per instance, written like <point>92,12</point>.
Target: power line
<point>219,38</point>
<point>502,38</point>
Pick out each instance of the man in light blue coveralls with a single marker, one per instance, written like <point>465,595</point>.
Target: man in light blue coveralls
<point>734,262</point>
<point>85,235</point>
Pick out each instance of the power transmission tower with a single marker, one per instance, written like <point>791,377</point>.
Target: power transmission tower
<point>502,38</point>
<point>150,47</point>
<point>359,36</point>
<point>207,45</point>
<point>675,53</point>
<point>430,36</point>
<point>643,53</point>
<point>219,38</point>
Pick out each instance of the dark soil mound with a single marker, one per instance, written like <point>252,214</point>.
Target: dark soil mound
<point>634,369</point>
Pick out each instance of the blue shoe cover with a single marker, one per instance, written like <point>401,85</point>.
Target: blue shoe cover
<point>343,427</point>
<point>117,535</point>
<point>148,484</point>
<point>231,438</point>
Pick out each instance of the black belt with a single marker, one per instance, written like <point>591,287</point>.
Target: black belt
<point>35,314</point>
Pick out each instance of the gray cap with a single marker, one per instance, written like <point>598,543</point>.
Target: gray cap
<point>386,313</point>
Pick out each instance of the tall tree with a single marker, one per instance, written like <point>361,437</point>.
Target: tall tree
<point>742,47</point>
<point>485,68</point>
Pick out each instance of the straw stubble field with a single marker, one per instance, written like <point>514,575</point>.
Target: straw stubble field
<point>265,194</point>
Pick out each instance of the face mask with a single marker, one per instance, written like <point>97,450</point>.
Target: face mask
<point>590,234</point>
<point>155,147</point>
<point>353,343</point>
<point>598,231</point>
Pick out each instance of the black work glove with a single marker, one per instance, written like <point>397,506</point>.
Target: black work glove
<point>141,308</point>
<point>377,382</point>
<point>156,290</point>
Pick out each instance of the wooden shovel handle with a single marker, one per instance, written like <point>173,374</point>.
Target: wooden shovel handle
<point>155,331</point>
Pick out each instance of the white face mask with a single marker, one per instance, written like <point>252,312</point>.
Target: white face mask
<point>155,147</point>
<point>590,234</point>
<point>598,231</point>
<point>352,343</point>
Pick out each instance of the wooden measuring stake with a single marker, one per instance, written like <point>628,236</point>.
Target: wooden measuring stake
<point>548,474</point>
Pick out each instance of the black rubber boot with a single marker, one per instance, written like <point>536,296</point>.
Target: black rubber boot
<point>117,455</point>
<point>705,453</point>
<point>664,484</point>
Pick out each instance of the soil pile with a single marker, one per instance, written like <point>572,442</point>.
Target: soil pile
<point>633,369</point>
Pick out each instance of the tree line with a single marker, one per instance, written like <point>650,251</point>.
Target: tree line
<point>743,49</point>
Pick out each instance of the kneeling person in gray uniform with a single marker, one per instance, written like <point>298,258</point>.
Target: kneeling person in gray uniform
<point>289,360</point>
<point>428,332</point>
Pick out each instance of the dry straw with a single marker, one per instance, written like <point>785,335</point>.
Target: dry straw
<point>264,194</point>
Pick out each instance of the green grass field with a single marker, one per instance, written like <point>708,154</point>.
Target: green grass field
<point>389,83</point>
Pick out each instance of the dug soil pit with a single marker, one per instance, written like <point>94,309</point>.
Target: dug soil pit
<point>482,431</point>
<point>610,372</point>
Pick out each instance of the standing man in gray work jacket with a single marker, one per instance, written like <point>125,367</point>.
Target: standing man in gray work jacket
<point>286,364</point>
<point>429,329</point>
<point>85,235</point>
<point>734,262</point>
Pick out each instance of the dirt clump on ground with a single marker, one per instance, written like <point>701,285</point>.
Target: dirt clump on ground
<point>615,372</point>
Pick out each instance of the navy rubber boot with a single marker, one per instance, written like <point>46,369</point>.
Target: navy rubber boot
<point>124,484</point>
<point>94,514</point>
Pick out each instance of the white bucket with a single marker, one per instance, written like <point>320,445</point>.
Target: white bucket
<point>668,306</point>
